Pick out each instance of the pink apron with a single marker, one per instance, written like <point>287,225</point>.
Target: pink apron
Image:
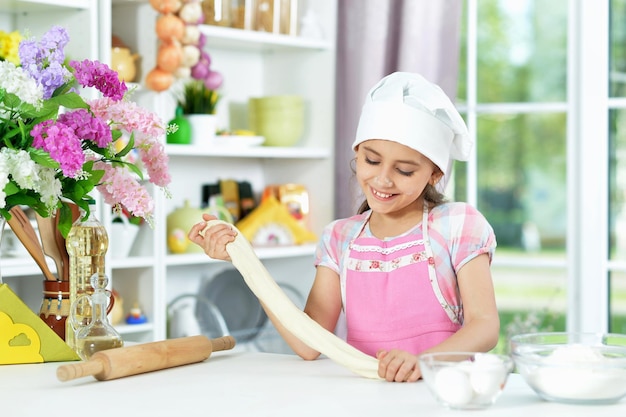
<point>390,300</point>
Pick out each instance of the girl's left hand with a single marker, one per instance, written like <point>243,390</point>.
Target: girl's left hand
<point>398,366</point>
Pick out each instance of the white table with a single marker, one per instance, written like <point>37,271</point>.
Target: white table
<point>255,385</point>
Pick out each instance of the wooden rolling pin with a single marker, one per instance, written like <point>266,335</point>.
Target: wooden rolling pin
<point>147,357</point>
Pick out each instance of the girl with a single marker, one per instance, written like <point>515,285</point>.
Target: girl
<point>410,273</point>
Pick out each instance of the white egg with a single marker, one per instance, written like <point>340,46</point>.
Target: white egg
<point>486,382</point>
<point>487,375</point>
<point>453,386</point>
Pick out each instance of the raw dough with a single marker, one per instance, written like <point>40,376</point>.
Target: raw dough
<point>295,320</point>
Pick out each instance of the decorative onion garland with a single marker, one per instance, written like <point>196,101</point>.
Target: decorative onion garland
<point>181,50</point>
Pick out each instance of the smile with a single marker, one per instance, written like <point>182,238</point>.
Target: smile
<point>379,194</point>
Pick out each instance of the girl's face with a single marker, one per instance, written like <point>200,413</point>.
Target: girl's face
<point>393,176</point>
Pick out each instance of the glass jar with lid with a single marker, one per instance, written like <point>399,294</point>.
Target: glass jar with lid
<point>217,12</point>
<point>276,16</point>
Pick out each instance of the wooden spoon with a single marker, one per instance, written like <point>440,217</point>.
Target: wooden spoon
<point>20,223</point>
<point>65,274</point>
<point>47,232</point>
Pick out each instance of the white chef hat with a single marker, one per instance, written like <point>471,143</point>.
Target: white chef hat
<point>406,108</point>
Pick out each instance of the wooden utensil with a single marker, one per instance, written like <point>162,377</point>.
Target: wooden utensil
<point>126,361</point>
<point>64,275</point>
<point>47,232</point>
<point>20,223</point>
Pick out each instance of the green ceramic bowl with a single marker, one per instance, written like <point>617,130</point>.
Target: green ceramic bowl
<point>280,119</point>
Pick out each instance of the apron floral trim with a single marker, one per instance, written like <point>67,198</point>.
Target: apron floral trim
<point>386,266</point>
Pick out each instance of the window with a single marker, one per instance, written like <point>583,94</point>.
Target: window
<point>617,166</point>
<point>533,86</point>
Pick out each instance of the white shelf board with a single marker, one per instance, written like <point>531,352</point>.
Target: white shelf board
<point>262,253</point>
<point>134,328</point>
<point>248,152</point>
<point>131,262</point>
<point>254,41</point>
<point>42,5</point>
<point>22,266</point>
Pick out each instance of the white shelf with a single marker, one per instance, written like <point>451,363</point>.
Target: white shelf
<point>262,253</point>
<point>131,262</point>
<point>22,267</point>
<point>13,6</point>
<point>248,152</point>
<point>253,41</point>
<point>134,328</point>
<point>260,64</point>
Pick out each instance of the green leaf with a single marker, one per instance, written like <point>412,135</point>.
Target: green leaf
<point>11,188</point>
<point>63,89</point>
<point>133,168</point>
<point>129,147</point>
<point>65,219</point>
<point>12,101</point>
<point>43,158</point>
<point>116,134</point>
<point>70,100</point>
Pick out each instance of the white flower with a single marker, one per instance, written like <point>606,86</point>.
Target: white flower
<point>16,165</point>
<point>16,81</point>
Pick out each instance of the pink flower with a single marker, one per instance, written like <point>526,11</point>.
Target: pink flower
<point>155,160</point>
<point>128,116</point>
<point>61,142</point>
<point>87,127</point>
<point>119,186</point>
<point>374,265</point>
<point>146,129</point>
<point>96,74</point>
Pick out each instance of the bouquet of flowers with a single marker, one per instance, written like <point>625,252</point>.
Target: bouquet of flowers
<point>57,147</point>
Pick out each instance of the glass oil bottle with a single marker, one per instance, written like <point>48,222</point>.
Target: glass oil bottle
<point>98,334</point>
<point>86,243</point>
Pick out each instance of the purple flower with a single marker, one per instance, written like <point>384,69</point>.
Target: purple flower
<point>54,41</point>
<point>43,60</point>
<point>96,74</point>
<point>87,127</point>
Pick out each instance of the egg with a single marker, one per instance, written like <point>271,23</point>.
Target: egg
<point>486,375</point>
<point>453,386</point>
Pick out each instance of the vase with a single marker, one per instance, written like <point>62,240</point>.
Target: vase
<point>123,236</point>
<point>55,307</point>
<point>203,128</point>
<point>182,135</point>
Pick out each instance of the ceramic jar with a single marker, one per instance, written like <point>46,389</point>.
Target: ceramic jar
<point>123,62</point>
<point>55,307</point>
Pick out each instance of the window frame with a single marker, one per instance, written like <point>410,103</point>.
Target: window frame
<point>587,109</point>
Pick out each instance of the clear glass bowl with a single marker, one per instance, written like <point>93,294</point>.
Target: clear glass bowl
<point>465,380</point>
<point>578,368</point>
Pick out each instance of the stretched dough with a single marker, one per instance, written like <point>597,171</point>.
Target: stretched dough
<point>295,320</point>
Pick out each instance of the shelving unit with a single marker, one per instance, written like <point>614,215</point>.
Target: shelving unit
<point>253,64</point>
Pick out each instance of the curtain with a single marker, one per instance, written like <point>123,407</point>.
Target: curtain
<point>376,38</point>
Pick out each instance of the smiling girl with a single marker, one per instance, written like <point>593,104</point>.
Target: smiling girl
<point>410,273</point>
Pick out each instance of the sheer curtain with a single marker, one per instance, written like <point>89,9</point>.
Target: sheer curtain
<point>376,38</point>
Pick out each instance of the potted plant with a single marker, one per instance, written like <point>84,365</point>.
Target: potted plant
<point>198,104</point>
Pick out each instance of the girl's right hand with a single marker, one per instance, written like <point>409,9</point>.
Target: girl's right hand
<point>212,240</point>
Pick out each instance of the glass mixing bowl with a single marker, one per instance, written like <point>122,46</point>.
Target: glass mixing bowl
<point>579,368</point>
<point>465,380</point>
